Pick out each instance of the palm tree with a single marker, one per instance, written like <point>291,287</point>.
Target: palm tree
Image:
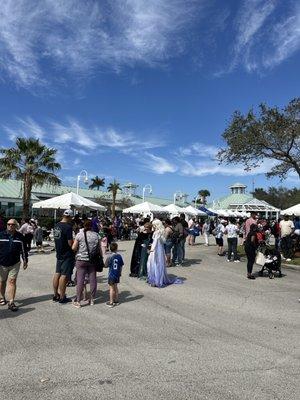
<point>203,193</point>
<point>97,182</point>
<point>113,188</point>
<point>33,163</point>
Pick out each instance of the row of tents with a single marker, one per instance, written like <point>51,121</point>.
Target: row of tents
<point>72,200</point>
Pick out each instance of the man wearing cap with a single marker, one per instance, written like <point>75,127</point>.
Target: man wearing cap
<point>65,260</point>
<point>12,247</point>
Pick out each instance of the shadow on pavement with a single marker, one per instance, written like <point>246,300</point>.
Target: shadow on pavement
<point>34,300</point>
<point>124,296</point>
<point>5,314</point>
<point>191,261</point>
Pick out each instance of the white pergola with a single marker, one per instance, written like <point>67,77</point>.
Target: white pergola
<point>259,206</point>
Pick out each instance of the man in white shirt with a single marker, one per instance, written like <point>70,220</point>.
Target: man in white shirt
<point>232,231</point>
<point>286,229</point>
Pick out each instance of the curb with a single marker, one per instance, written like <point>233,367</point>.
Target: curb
<point>291,266</point>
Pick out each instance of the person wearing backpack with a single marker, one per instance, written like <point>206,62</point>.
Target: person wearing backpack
<point>86,244</point>
<point>177,238</point>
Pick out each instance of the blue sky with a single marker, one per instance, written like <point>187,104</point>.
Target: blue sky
<point>141,90</point>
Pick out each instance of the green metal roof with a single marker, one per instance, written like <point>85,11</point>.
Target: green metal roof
<point>10,189</point>
<point>13,189</point>
<point>232,199</point>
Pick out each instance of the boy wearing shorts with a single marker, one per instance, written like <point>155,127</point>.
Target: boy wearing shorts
<point>114,263</point>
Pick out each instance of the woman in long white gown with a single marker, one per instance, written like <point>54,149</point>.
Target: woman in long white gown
<point>156,265</point>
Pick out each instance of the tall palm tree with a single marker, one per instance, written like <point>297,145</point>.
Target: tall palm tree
<point>203,193</point>
<point>97,182</point>
<point>33,163</point>
<point>113,188</point>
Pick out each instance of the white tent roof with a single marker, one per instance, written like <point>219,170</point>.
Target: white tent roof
<point>68,200</point>
<point>295,210</point>
<point>195,211</point>
<point>145,207</point>
<point>173,209</point>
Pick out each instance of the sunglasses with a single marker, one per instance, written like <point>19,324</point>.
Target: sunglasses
<point>11,224</point>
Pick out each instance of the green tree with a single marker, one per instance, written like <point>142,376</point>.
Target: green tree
<point>113,188</point>
<point>279,197</point>
<point>272,134</point>
<point>33,163</point>
<point>203,193</point>
<point>97,182</point>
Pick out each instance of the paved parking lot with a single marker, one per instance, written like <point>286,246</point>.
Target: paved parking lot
<point>216,336</point>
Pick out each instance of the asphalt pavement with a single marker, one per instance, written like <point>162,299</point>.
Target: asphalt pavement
<point>216,336</point>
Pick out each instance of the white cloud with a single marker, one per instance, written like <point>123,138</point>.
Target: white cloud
<point>199,150</point>
<point>210,167</point>
<point>101,139</point>
<point>83,140</point>
<point>25,127</point>
<point>81,37</point>
<point>267,33</point>
<point>158,165</point>
<point>250,21</point>
<point>285,39</point>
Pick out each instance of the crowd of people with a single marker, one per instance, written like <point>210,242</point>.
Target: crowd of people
<point>83,243</point>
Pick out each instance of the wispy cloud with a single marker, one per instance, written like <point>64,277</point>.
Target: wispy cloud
<point>83,140</point>
<point>250,21</point>
<point>285,39</point>
<point>24,127</point>
<point>90,138</point>
<point>210,167</point>
<point>158,165</point>
<point>199,150</point>
<point>267,33</point>
<point>81,37</point>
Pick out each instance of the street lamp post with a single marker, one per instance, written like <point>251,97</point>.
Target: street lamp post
<point>86,179</point>
<point>178,193</point>
<point>147,187</point>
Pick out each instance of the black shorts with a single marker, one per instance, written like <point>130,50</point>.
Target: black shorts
<point>65,266</point>
<point>112,281</point>
<point>219,241</point>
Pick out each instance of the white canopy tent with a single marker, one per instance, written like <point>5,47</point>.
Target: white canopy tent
<point>68,200</point>
<point>295,210</point>
<point>175,210</point>
<point>194,211</point>
<point>144,208</point>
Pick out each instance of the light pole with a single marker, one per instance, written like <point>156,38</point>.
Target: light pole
<point>177,194</point>
<point>147,187</point>
<point>86,179</point>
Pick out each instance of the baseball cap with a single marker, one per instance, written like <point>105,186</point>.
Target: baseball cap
<point>68,213</point>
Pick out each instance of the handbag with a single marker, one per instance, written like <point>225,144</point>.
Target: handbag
<point>260,258</point>
<point>95,258</point>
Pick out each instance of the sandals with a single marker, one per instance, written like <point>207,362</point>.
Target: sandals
<point>76,304</point>
<point>3,302</point>
<point>12,307</point>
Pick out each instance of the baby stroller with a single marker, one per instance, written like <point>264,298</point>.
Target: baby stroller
<point>272,263</point>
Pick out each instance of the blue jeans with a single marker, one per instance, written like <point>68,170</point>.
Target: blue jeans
<point>178,252</point>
